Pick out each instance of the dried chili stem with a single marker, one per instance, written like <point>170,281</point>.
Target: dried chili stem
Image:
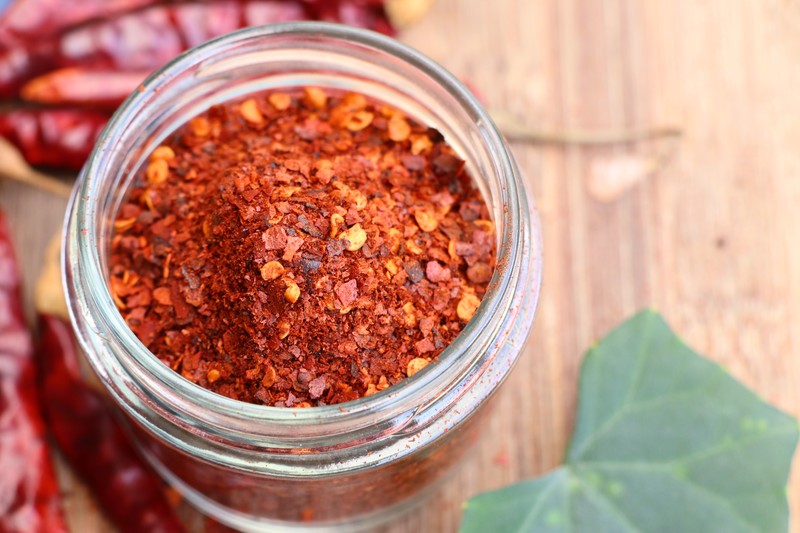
<point>404,13</point>
<point>516,130</point>
<point>13,166</point>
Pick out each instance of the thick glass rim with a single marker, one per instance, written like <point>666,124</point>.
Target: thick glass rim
<point>93,295</point>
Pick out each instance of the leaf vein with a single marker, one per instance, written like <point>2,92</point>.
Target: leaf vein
<point>526,524</point>
<point>609,505</point>
<point>724,504</point>
<point>697,456</point>
<point>627,409</point>
<point>637,376</point>
<point>722,447</point>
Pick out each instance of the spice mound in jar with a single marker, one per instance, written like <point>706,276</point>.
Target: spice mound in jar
<point>301,248</point>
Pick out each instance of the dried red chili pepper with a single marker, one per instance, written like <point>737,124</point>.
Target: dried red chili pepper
<point>83,87</point>
<point>26,20</point>
<point>94,444</point>
<point>152,36</point>
<point>29,492</point>
<point>53,137</point>
<point>362,13</point>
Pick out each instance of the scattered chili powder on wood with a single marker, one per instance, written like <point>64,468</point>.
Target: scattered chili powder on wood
<point>301,248</point>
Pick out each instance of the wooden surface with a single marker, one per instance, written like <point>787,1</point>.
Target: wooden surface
<point>712,241</point>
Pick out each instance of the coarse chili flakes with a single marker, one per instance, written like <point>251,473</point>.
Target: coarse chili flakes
<point>301,248</point>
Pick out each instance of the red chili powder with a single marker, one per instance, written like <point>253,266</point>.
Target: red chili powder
<point>301,248</point>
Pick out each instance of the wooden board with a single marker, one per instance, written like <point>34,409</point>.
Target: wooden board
<point>712,241</point>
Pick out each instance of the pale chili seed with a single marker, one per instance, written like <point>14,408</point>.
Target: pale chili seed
<point>272,270</point>
<point>358,120</point>
<point>415,365</point>
<point>467,306</point>
<point>200,126</point>
<point>426,219</point>
<point>355,237</point>
<point>250,112</point>
<point>292,292</point>
<point>398,128</point>
<point>337,221</point>
<point>157,172</point>
<point>284,328</point>
<point>316,97</point>
<point>163,152</point>
<point>280,101</point>
<point>269,377</point>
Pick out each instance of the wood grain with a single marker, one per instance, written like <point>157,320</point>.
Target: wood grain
<point>712,241</point>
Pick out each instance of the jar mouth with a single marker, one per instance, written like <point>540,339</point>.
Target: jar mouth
<point>90,300</point>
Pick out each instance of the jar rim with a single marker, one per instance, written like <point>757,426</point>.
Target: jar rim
<point>95,296</point>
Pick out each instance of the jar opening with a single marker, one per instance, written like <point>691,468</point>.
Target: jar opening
<point>255,59</point>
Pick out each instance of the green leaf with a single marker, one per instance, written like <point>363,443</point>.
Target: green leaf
<point>665,440</point>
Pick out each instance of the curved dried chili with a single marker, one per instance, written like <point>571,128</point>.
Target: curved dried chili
<point>151,36</point>
<point>29,492</point>
<point>94,444</point>
<point>53,136</point>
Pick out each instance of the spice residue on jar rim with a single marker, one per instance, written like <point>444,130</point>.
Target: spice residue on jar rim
<point>301,248</point>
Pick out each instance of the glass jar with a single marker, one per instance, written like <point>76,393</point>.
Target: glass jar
<point>331,468</point>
